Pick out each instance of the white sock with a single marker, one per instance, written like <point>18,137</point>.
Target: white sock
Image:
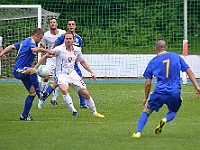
<point>55,93</point>
<point>69,102</point>
<point>91,105</point>
<point>44,86</point>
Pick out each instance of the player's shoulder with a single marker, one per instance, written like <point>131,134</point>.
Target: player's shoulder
<point>77,36</point>
<point>61,31</point>
<point>59,47</point>
<point>76,48</point>
<point>46,35</point>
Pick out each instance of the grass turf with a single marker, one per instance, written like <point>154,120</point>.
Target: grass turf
<point>55,128</point>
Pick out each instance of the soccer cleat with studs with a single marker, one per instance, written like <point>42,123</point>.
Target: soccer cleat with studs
<point>161,126</point>
<point>136,135</point>
<point>98,115</point>
<point>43,95</point>
<point>54,102</point>
<point>75,114</point>
<point>40,103</point>
<point>28,118</point>
<point>84,106</point>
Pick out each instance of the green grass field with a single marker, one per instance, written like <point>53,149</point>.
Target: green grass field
<point>54,128</point>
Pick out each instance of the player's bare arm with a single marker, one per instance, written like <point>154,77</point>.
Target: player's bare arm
<point>147,88</point>
<point>7,49</point>
<point>1,49</point>
<point>38,49</point>
<point>42,59</point>
<point>87,67</point>
<point>193,80</point>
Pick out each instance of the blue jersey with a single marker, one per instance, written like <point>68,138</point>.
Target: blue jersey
<point>77,42</point>
<point>166,68</point>
<point>25,56</point>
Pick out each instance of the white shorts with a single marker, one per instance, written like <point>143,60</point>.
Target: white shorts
<point>51,63</point>
<point>72,79</point>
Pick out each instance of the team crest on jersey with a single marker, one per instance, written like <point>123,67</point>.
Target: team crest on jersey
<point>69,59</point>
<point>75,53</point>
<point>76,40</point>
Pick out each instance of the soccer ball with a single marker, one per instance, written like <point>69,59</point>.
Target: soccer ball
<point>43,71</point>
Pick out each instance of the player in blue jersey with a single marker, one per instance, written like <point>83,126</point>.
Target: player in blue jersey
<point>23,69</point>
<point>71,26</point>
<point>166,67</point>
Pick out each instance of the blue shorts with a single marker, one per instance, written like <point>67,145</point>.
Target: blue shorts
<point>172,101</point>
<point>20,74</point>
<point>78,70</point>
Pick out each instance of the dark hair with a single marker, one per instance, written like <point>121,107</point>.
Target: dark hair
<point>37,31</point>
<point>69,32</point>
<point>160,39</point>
<point>160,44</point>
<point>52,18</point>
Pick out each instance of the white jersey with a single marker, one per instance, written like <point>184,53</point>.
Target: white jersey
<point>1,39</point>
<point>49,39</point>
<point>65,59</point>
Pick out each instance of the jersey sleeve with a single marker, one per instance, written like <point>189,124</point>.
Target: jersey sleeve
<point>80,55</point>
<point>43,41</point>
<point>184,65</point>
<point>148,74</point>
<point>17,45</point>
<point>60,40</point>
<point>80,42</point>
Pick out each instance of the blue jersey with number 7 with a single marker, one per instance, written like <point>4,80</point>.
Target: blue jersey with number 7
<point>166,68</point>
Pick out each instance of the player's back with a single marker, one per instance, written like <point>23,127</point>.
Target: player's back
<point>166,68</point>
<point>25,55</point>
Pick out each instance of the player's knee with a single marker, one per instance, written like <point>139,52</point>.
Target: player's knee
<point>32,94</point>
<point>84,93</point>
<point>33,71</point>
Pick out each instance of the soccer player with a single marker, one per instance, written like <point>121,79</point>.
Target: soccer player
<point>66,56</point>
<point>71,26</point>
<point>23,69</point>
<point>49,39</point>
<point>166,67</point>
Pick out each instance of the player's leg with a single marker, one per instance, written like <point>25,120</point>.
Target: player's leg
<point>48,92</point>
<point>79,85</point>
<point>45,84</point>
<point>155,102</point>
<point>55,95</point>
<point>63,85</point>
<point>142,122</point>
<point>173,103</point>
<point>82,99</point>
<point>34,80</point>
<point>28,101</point>
<point>56,90</point>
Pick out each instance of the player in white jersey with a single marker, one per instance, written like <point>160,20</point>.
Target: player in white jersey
<point>48,41</point>
<point>66,55</point>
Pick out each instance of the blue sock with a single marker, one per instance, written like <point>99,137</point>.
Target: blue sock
<point>142,121</point>
<point>170,116</point>
<point>49,90</point>
<point>35,83</point>
<point>27,105</point>
<point>82,99</point>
